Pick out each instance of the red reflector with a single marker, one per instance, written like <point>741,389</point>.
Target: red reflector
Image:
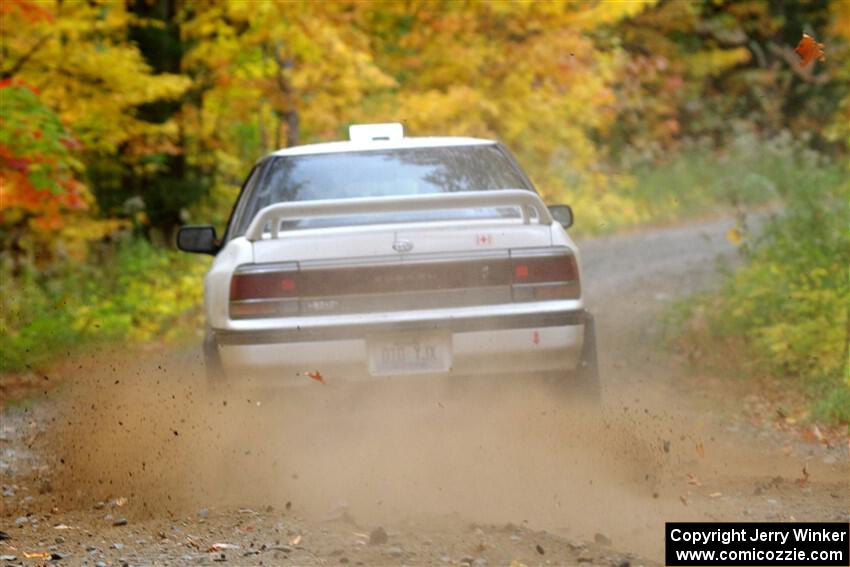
<point>265,285</point>
<point>520,271</point>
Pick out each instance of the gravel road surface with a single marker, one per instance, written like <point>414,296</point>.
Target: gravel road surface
<point>130,460</point>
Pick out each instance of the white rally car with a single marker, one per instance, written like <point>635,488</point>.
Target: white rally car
<point>387,256</point>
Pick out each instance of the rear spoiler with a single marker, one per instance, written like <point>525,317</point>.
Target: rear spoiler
<point>516,198</point>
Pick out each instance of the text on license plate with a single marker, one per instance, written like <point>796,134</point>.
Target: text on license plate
<point>409,353</point>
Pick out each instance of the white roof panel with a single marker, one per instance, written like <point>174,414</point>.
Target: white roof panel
<point>338,147</point>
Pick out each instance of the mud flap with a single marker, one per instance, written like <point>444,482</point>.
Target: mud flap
<point>587,374</point>
<point>216,378</point>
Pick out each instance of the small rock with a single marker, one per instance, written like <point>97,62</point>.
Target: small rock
<point>118,546</point>
<point>624,563</point>
<point>8,492</point>
<point>120,522</point>
<point>395,552</point>
<point>378,536</point>
<point>601,539</point>
<point>539,549</point>
<point>585,559</point>
<point>515,537</point>
<point>8,558</point>
<point>100,564</point>
<point>479,562</point>
<point>21,520</point>
<point>204,513</point>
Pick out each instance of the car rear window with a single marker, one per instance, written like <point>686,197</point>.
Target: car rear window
<point>379,173</point>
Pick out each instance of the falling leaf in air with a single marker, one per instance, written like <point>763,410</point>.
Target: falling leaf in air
<point>809,50</point>
<point>315,375</point>
<point>700,449</point>
<point>805,478</point>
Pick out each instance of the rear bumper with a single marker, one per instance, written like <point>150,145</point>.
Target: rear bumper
<point>525,342</point>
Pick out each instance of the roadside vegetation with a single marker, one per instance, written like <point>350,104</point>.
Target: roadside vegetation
<point>121,121</point>
<point>785,313</point>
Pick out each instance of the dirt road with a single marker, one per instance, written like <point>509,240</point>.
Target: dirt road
<point>131,460</point>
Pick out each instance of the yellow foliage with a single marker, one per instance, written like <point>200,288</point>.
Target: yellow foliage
<point>84,67</point>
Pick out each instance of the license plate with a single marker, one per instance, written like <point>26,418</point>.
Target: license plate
<point>409,353</point>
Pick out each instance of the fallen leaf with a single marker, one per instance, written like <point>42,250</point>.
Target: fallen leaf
<point>734,236</point>
<point>37,555</point>
<point>693,480</point>
<point>296,540</point>
<point>808,49</point>
<point>715,495</point>
<point>62,527</point>
<point>315,375</point>
<point>683,500</point>
<point>216,547</point>
<point>700,449</point>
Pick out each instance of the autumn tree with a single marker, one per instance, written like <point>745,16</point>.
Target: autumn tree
<point>78,57</point>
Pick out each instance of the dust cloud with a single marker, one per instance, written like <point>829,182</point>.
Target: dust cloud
<point>417,452</point>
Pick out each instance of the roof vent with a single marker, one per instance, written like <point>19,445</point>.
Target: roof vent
<point>390,132</point>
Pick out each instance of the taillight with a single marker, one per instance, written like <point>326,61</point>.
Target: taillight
<point>545,276</point>
<point>262,286</point>
<point>265,293</point>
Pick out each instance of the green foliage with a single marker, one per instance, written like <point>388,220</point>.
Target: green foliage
<point>133,293</point>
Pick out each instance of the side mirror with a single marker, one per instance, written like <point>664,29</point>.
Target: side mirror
<point>199,239</point>
<point>563,215</point>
